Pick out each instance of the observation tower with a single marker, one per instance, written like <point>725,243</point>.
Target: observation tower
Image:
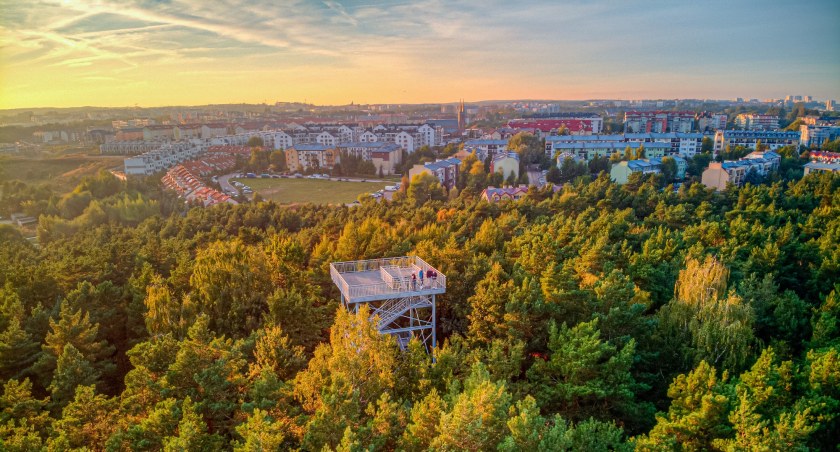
<point>405,305</point>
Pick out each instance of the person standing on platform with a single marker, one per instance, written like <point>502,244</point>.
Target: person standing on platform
<point>413,281</point>
<point>421,278</point>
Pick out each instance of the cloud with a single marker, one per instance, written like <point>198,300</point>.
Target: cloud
<point>442,47</point>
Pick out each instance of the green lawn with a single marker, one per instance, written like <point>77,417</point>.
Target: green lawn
<point>293,191</point>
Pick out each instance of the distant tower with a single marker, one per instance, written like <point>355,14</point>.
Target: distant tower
<point>462,116</point>
<point>403,302</point>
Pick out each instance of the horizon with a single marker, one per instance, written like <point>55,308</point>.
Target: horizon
<point>106,54</point>
<point>319,105</point>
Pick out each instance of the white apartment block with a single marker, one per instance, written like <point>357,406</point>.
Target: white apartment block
<point>749,139</point>
<point>682,144</point>
<point>754,121</point>
<point>160,159</point>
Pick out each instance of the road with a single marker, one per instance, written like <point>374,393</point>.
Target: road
<point>226,186</point>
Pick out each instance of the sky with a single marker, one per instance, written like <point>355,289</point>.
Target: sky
<point>68,53</point>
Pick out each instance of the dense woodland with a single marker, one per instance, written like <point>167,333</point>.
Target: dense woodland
<point>600,317</point>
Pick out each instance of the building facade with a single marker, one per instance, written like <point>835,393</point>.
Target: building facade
<point>755,121</point>
<point>506,163</point>
<point>718,174</point>
<point>446,171</point>
<point>749,139</point>
<point>813,136</point>
<point>658,121</point>
<point>311,157</point>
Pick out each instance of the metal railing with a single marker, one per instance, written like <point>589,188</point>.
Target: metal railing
<point>389,284</point>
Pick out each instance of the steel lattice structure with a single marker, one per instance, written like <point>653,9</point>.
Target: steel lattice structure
<point>404,306</point>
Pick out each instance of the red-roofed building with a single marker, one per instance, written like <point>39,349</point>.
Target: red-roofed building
<point>575,126</point>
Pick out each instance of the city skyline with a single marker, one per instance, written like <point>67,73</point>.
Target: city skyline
<point>107,53</point>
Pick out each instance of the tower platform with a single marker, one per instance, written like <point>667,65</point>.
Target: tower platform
<point>404,305</point>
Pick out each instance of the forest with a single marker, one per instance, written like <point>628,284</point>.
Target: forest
<point>600,317</point>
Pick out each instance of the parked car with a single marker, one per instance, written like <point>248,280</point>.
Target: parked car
<point>250,175</point>
<point>265,175</point>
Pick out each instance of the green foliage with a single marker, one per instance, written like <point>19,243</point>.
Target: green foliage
<point>127,328</point>
<point>424,188</point>
<point>230,284</point>
<point>583,376</point>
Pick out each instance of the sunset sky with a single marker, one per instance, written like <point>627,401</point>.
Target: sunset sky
<point>177,52</point>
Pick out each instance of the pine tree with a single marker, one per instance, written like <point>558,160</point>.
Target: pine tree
<point>76,329</point>
<point>697,416</point>
<point>192,432</point>
<point>23,419</point>
<point>478,417</point>
<point>259,433</point>
<point>72,371</point>
<point>87,421</point>
<point>583,375</point>
<point>18,351</point>
<point>423,426</point>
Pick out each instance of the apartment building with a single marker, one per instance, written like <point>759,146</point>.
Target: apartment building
<point>506,163</point>
<point>718,174</point>
<point>484,148</point>
<point>658,121</point>
<point>575,123</point>
<point>620,172</point>
<point>813,136</point>
<point>166,156</point>
<point>750,138</point>
<point>710,122</point>
<point>384,156</point>
<point>755,121</point>
<point>683,144</point>
<point>311,157</point>
<point>446,171</point>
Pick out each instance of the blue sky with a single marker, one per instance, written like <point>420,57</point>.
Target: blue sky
<point>114,52</point>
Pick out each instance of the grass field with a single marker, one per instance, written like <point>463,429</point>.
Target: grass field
<point>63,173</point>
<point>294,191</point>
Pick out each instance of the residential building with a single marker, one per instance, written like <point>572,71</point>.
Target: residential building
<point>825,156</point>
<point>127,147</point>
<point>311,157</point>
<point>160,159</point>
<point>185,179</point>
<point>658,121</point>
<point>384,156</point>
<point>587,151</point>
<point>749,139</point>
<point>213,130</point>
<point>684,144</point>
<point>718,174</point>
<point>446,171</point>
<point>710,122</point>
<point>506,163</point>
<point>813,136</point>
<point>620,172</point>
<point>158,133</point>
<point>820,167</point>
<point>129,134</point>
<point>575,123</point>
<point>484,148</point>
<point>493,194</point>
<point>755,121</point>
<point>187,131</point>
